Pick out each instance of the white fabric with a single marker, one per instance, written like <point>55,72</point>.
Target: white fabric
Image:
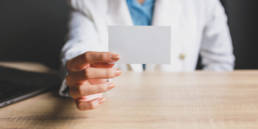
<point>198,27</point>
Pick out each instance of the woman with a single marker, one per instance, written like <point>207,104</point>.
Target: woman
<point>198,27</point>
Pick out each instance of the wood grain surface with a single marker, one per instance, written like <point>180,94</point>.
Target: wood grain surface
<point>27,66</point>
<point>199,100</point>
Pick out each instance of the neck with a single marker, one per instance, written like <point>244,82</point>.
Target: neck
<point>141,1</point>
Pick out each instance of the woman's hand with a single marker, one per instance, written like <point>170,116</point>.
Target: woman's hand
<point>88,74</point>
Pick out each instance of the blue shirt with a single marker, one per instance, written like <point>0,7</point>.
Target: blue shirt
<point>141,14</point>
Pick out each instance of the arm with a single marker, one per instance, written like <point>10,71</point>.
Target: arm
<point>81,37</point>
<point>216,49</point>
<point>86,71</point>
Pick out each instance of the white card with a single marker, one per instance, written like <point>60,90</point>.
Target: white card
<point>141,44</point>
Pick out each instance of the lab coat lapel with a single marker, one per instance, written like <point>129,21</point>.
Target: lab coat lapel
<point>166,13</point>
<point>119,14</point>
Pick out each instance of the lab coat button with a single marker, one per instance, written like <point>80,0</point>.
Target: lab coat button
<point>182,56</point>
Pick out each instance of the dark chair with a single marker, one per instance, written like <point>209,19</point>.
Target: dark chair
<point>243,25</point>
<point>242,20</point>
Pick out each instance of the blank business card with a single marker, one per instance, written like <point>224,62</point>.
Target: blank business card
<point>141,44</point>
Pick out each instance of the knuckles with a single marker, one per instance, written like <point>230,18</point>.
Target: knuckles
<point>68,80</point>
<point>87,73</point>
<point>102,57</point>
<point>83,106</point>
<point>72,82</point>
<point>81,91</point>
<point>78,90</point>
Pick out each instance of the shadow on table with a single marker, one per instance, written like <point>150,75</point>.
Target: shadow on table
<point>63,112</point>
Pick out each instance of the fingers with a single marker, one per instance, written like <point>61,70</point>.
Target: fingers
<point>97,81</point>
<point>87,78</point>
<point>101,57</point>
<point>102,65</point>
<point>101,73</point>
<point>89,105</point>
<point>92,97</point>
<point>75,78</point>
<point>88,89</point>
<point>81,62</point>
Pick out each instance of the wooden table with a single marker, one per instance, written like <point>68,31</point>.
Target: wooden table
<point>199,100</point>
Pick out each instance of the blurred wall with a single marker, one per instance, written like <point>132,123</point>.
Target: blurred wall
<point>34,30</point>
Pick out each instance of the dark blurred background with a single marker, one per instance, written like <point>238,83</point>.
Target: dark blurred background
<point>34,30</point>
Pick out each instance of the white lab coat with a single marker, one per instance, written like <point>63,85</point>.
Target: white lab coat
<point>197,26</point>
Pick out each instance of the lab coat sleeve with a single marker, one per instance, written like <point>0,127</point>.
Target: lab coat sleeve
<point>216,48</point>
<point>81,38</point>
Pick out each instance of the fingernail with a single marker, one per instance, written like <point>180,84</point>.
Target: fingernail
<point>115,57</point>
<point>108,84</point>
<point>102,100</point>
<point>118,72</point>
<point>95,103</point>
<point>111,87</point>
<point>91,97</point>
